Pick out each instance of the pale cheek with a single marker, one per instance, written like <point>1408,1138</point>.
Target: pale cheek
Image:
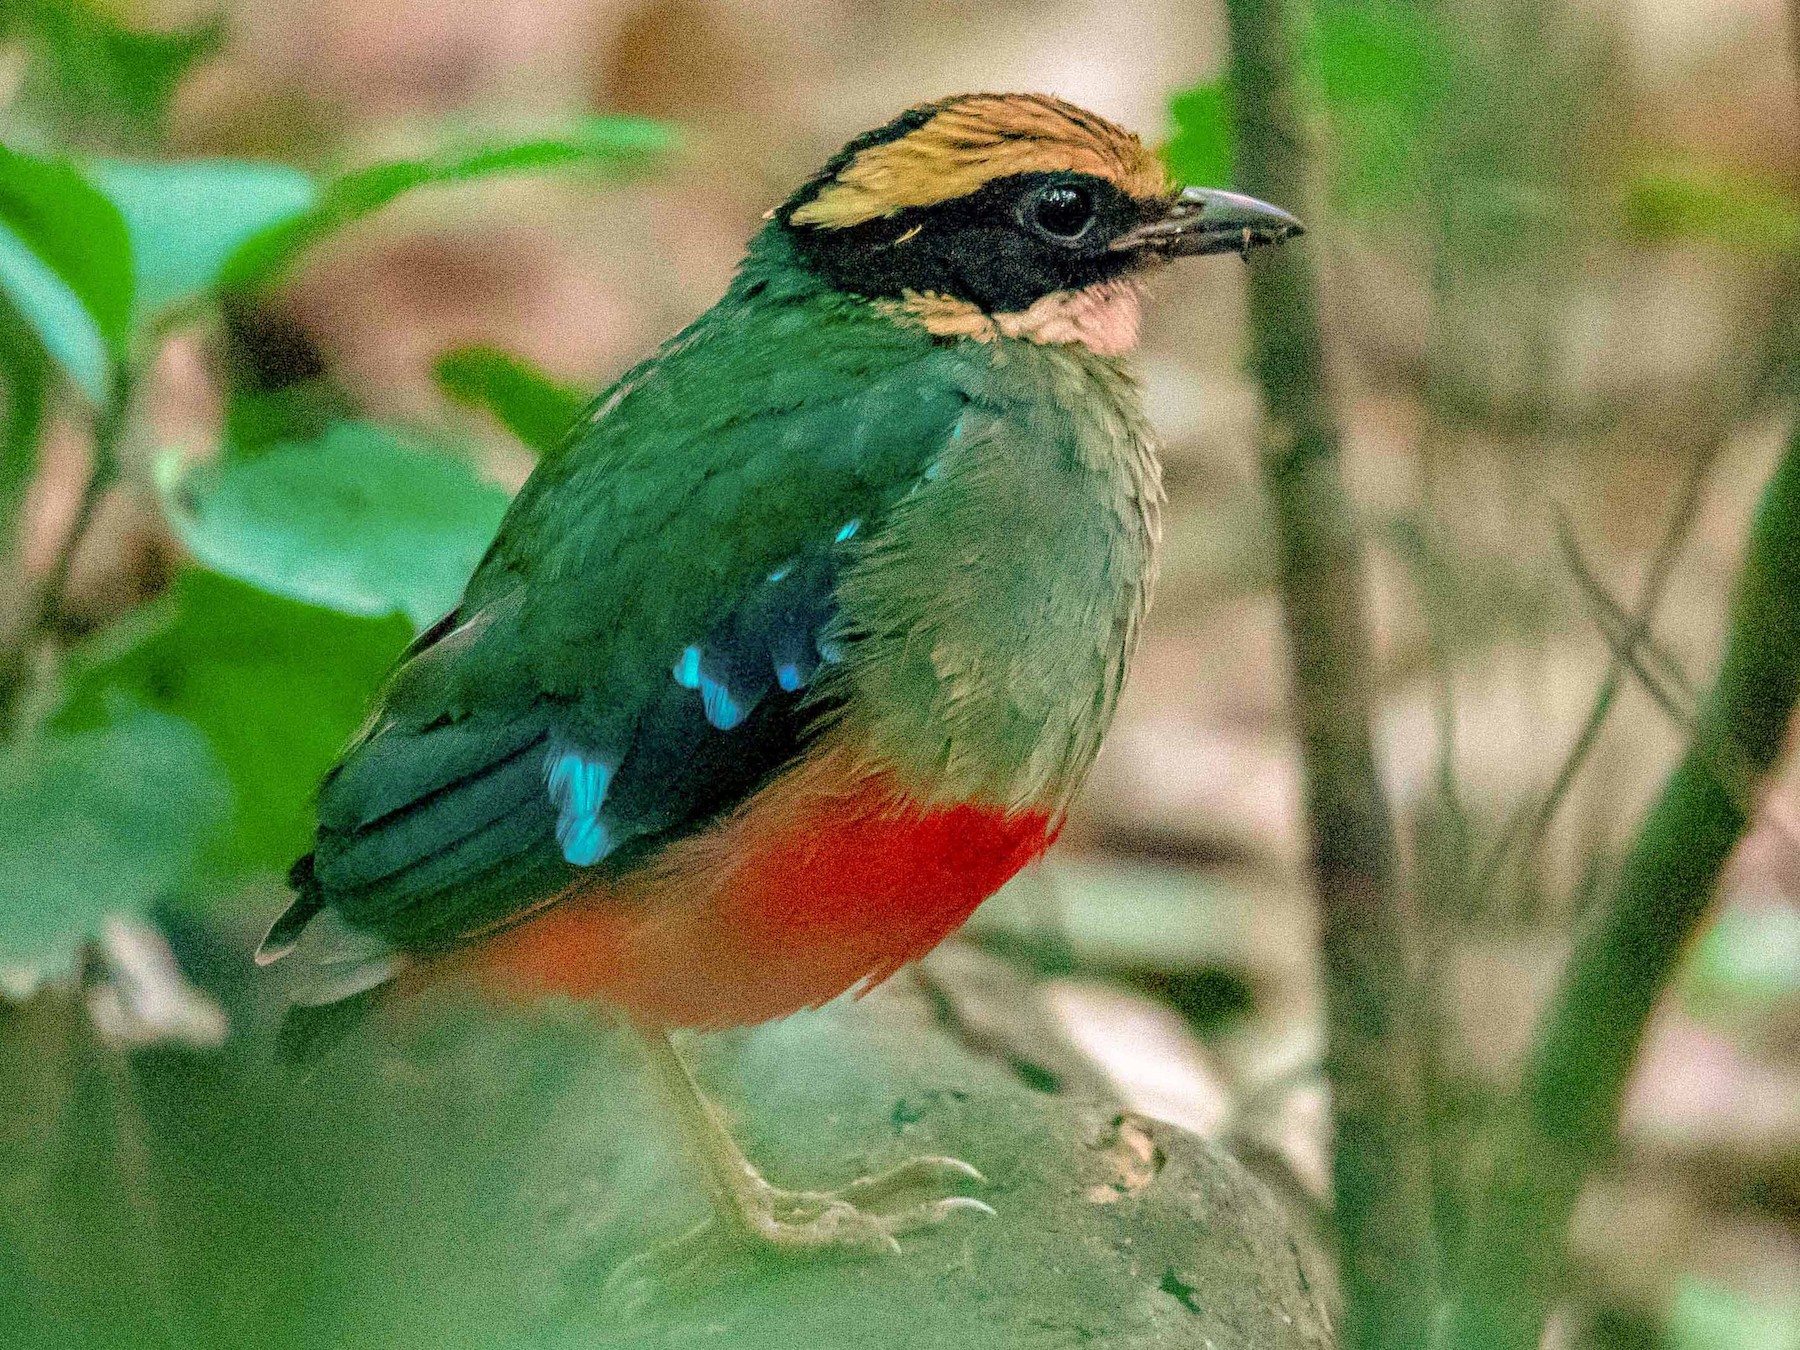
<point>1102,318</point>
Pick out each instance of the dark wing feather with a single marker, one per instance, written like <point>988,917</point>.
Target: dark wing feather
<point>642,646</point>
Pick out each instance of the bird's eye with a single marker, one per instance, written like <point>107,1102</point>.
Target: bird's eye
<point>1063,211</point>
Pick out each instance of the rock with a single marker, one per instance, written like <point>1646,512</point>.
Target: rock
<point>454,1175</point>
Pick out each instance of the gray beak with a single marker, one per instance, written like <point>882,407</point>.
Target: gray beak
<point>1210,220</point>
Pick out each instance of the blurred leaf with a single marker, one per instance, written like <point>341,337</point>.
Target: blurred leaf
<point>1200,153</point>
<point>279,382</point>
<point>56,314</point>
<point>360,522</point>
<point>526,401</point>
<point>258,420</point>
<point>1377,62</point>
<point>1672,204</point>
<point>65,262</point>
<point>1708,1316</point>
<point>24,371</point>
<point>615,144</point>
<point>106,820</point>
<point>186,218</point>
<point>1125,919</point>
<point>277,688</point>
<point>94,76</point>
<point>1747,961</point>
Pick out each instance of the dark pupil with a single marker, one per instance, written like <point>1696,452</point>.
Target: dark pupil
<point>1064,211</point>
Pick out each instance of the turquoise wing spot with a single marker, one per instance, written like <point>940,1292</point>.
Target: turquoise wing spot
<point>722,710</point>
<point>849,528</point>
<point>687,668</point>
<point>577,783</point>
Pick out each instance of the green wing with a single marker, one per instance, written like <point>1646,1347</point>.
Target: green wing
<point>646,640</point>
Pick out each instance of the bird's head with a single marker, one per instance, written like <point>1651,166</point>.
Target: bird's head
<point>1014,214</point>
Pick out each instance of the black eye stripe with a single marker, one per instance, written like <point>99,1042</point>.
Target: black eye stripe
<point>990,247</point>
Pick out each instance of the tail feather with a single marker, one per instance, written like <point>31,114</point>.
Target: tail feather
<point>341,973</point>
<point>284,934</point>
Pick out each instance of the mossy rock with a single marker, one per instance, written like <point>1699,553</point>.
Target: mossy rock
<point>454,1176</point>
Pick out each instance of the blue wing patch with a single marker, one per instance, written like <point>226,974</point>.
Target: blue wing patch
<point>733,707</point>
<point>773,640</point>
<point>577,782</point>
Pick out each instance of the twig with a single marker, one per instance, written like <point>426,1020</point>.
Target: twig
<point>1381,1155</point>
<point>1667,685</point>
<point>1532,822</point>
<point>1576,1076</point>
<point>1629,637</point>
<point>1738,398</point>
<point>43,609</point>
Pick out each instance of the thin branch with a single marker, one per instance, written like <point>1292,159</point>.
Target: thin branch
<point>1576,1076</point>
<point>1629,637</point>
<point>1381,1153</point>
<point>43,610</point>
<point>1667,685</point>
<point>1531,822</point>
<point>1767,356</point>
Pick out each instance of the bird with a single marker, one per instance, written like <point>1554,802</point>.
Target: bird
<point>800,644</point>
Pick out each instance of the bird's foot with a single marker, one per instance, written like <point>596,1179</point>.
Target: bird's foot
<point>868,1215</point>
<point>764,1221</point>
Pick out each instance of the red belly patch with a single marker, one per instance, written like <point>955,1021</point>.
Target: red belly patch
<point>805,893</point>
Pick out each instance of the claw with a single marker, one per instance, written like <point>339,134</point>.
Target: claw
<point>917,1174</point>
<point>927,1216</point>
<point>864,1218</point>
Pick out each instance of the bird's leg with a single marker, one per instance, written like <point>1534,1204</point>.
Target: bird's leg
<point>867,1215</point>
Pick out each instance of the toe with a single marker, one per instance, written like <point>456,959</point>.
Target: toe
<point>910,1180</point>
<point>929,1216</point>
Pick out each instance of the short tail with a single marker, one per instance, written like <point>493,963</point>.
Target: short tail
<point>284,934</point>
<point>342,972</point>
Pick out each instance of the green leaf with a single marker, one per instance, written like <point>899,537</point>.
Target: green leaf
<point>78,233</point>
<point>360,522</point>
<point>24,371</point>
<point>276,687</point>
<point>1200,943</point>
<point>1746,964</point>
<point>56,314</point>
<point>65,263</point>
<point>1118,916</point>
<point>96,78</point>
<point>1683,202</point>
<point>1200,153</point>
<point>526,401</point>
<point>613,144</point>
<point>1710,1316</point>
<point>1377,62</point>
<point>107,820</point>
<point>279,385</point>
<point>186,218</point>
